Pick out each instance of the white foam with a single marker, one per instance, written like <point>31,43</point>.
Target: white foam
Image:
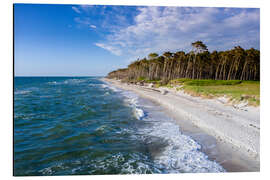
<point>139,113</point>
<point>52,83</point>
<point>114,89</point>
<point>109,86</point>
<point>76,81</point>
<point>68,81</point>
<point>182,154</point>
<point>104,86</point>
<point>73,81</point>
<point>132,100</point>
<point>22,92</point>
<point>53,169</point>
<point>131,164</point>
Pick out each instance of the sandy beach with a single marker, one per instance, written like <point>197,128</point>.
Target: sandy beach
<point>229,134</point>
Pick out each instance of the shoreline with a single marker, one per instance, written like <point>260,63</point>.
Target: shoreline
<point>234,131</point>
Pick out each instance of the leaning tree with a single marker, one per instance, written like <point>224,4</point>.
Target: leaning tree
<point>197,47</point>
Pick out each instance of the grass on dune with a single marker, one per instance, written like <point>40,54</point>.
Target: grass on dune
<point>236,90</point>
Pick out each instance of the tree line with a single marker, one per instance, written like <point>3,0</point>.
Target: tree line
<point>199,63</point>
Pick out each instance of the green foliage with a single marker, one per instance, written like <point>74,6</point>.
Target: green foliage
<point>141,78</point>
<point>212,82</point>
<point>236,90</point>
<point>180,81</point>
<point>152,55</point>
<point>169,86</point>
<point>199,46</point>
<point>153,81</point>
<point>167,54</point>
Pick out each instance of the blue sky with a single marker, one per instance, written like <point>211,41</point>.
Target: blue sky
<point>87,40</point>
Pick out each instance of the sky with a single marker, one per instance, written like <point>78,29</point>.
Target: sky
<point>92,40</point>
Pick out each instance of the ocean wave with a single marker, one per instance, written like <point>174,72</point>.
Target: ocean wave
<point>19,92</point>
<point>92,84</point>
<point>102,142</point>
<point>132,100</point>
<point>104,85</point>
<point>109,86</point>
<point>179,152</point>
<point>114,89</point>
<point>74,81</point>
<point>132,163</point>
<point>139,113</point>
<point>120,163</point>
<point>68,81</point>
<point>106,93</point>
<point>182,153</point>
<point>52,83</point>
<point>53,169</point>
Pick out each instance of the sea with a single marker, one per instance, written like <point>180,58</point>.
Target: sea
<point>85,126</point>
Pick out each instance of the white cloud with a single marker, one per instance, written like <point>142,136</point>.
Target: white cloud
<point>243,18</point>
<point>93,26</point>
<point>110,48</point>
<point>87,8</point>
<point>82,21</point>
<point>158,29</point>
<point>76,9</point>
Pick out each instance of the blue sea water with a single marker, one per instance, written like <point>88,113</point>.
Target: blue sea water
<point>82,125</point>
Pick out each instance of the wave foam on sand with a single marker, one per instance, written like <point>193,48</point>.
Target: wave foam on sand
<point>171,150</point>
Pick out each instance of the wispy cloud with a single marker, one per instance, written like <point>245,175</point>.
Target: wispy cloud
<point>93,26</point>
<point>158,29</point>
<point>110,48</point>
<point>76,9</point>
<point>109,18</point>
<point>82,21</point>
<point>138,31</point>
